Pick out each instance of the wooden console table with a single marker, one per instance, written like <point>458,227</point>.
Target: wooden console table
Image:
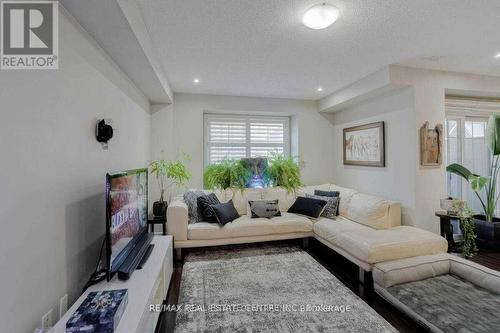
<point>146,286</point>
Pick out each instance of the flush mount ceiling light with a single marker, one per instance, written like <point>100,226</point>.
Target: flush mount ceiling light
<point>497,56</point>
<point>320,89</point>
<point>196,80</point>
<point>320,16</point>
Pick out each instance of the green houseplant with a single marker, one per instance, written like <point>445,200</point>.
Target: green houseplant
<point>485,187</point>
<point>283,172</point>
<point>168,174</point>
<point>226,174</point>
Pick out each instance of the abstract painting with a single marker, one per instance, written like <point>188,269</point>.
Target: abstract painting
<point>364,145</point>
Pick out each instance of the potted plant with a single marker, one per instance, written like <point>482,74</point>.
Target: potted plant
<point>485,187</point>
<point>283,172</point>
<point>226,174</point>
<point>168,174</point>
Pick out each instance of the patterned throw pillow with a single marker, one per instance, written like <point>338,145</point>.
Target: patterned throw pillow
<point>329,194</point>
<point>204,203</point>
<point>332,204</point>
<point>194,213</point>
<point>264,208</point>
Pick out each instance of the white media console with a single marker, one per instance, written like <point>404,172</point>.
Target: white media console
<point>146,286</point>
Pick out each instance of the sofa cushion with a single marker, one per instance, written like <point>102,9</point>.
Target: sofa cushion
<point>369,210</point>
<point>264,208</point>
<point>285,199</point>
<point>191,199</point>
<point>245,226</point>
<point>335,194</point>
<point>345,197</point>
<point>332,205</point>
<point>373,246</point>
<point>310,189</point>
<point>308,206</point>
<point>204,203</point>
<point>225,212</point>
<point>240,198</point>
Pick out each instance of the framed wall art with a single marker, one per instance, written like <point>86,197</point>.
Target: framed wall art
<point>364,145</point>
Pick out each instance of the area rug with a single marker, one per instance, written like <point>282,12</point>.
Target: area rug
<point>268,289</point>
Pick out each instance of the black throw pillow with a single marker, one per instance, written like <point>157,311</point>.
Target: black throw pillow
<point>329,194</point>
<point>204,203</point>
<point>225,212</point>
<point>308,206</point>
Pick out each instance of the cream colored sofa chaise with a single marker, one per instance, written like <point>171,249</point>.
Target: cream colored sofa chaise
<point>367,231</point>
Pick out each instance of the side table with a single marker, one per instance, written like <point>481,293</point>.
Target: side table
<point>446,229</point>
<point>158,220</point>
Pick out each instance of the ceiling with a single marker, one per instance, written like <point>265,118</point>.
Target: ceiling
<point>261,48</point>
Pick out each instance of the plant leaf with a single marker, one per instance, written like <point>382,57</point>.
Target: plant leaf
<point>493,134</point>
<point>477,183</point>
<point>457,169</point>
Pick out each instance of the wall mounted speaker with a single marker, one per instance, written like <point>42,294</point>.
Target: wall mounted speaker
<point>104,132</point>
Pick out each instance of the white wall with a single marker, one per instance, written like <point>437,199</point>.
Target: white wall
<point>53,172</point>
<point>429,88</point>
<point>397,180</point>
<point>313,134</point>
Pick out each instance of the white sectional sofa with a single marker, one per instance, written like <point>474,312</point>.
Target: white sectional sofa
<point>367,231</point>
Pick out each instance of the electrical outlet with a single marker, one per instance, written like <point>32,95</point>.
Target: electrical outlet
<point>47,320</point>
<point>63,305</point>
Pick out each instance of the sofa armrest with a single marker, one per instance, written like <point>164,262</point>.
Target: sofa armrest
<point>177,219</point>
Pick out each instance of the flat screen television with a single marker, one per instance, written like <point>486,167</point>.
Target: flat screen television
<point>126,215</point>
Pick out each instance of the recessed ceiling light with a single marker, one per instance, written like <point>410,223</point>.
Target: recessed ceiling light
<point>320,89</point>
<point>497,56</point>
<point>196,80</point>
<point>320,16</point>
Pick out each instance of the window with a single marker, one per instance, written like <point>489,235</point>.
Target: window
<point>465,142</point>
<point>466,145</point>
<point>236,136</point>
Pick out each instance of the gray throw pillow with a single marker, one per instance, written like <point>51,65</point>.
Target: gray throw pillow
<point>194,213</point>
<point>331,206</point>
<point>264,208</point>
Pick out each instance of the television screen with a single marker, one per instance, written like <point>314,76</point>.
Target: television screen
<point>127,210</point>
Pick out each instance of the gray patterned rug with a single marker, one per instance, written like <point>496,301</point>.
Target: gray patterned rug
<point>268,289</point>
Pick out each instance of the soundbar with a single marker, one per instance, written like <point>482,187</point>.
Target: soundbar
<point>134,259</point>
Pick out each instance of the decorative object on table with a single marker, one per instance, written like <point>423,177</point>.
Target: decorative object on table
<point>364,145</point>
<point>227,174</point>
<point>264,208</point>
<point>452,206</point>
<point>168,174</point>
<point>469,248</point>
<point>100,312</point>
<point>431,145</point>
<point>283,172</point>
<point>487,226</point>
<point>256,167</point>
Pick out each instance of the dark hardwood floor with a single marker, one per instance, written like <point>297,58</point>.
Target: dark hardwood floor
<point>340,267</point>
<point>489,259</point>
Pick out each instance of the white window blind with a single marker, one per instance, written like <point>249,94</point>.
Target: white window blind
<point>237,136</point>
